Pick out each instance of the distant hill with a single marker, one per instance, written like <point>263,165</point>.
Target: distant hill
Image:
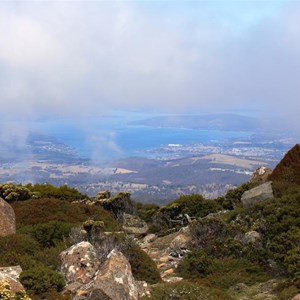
<point>289,167</point>
<point>225,122</point>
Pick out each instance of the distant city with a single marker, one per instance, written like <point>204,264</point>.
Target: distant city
<point>205,161</point>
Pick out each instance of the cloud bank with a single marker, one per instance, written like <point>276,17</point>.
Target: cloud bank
<point>81,58</point>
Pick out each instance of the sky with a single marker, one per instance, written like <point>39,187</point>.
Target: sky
<point>81,58</point>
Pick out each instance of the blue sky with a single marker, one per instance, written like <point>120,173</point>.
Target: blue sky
<point>77,58</point>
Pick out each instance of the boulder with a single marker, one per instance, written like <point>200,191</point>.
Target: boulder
<point>297,297</point>
<point>251,237</point>
<point>134,225</point>
<point>257,194</point>
<point>79,263</point>
<point>261,175</point>
<point>182,240</point>
<point>7,219</point>
<point>115,279</point>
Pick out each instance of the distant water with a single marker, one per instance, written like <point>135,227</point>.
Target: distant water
<point>110,137</point>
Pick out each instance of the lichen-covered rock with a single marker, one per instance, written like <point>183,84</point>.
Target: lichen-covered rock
<point>261,175</point>
<point>134,225</point>
<point>7,292</point>
<point>13,271</point>
<point>14,284</point>
<point>79,263</point>
<point>257,194</point>
<point>115,279</point>
<point>251,237</point>
<point>7,219</point>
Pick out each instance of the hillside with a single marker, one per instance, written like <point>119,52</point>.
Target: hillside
<point>289,167</point>
<point>241,246</point>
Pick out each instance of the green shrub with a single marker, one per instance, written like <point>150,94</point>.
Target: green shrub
<point>19,243</point>
<point>146,211</point>
<point>230,271</point>
<point>185,290</point>
<point>292,260</point>
<point>41,279</point>
<point>195,264</point>
<point>11,192</point>
<point>283,243</point>
<point>49,191</point>
<point>143,267</point>
<point>48,234</point>
<point>50,256</point>
<point>233,196</point>
<point>36,211</point>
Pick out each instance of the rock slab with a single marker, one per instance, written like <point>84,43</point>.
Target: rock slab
<point>257,194</point>
<point>7,219</point>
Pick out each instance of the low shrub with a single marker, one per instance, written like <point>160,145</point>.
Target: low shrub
<point>195,264</point>
<point>186,290</point>
<point>40,211</point>
<point>48,234</point>
<point>41,279</point>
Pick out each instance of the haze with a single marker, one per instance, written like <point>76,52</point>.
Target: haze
<point>82,58</point>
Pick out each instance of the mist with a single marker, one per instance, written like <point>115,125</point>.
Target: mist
<point>80,59</point>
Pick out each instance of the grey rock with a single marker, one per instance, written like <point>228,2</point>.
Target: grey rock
<point>257,194</point>
<point>134,225</point>
<point>251,237</point>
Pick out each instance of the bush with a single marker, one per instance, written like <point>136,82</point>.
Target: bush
<point>196,264</point>
<point>292,261</point>
<point>48,234</point>
<point>143,267</point>
<point>233,196</point>
<point>11,192</point>
<point>230,271</point>
<point>19,243</point>
<point>185,290</point>
<point>49,191</point>
<point>283,243</point>
<point>36,211</point>
<point>41,279</point>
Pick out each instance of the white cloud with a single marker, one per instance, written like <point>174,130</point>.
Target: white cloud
<point>76,58</point>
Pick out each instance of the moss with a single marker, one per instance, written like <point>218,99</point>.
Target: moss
<point>7,294</point>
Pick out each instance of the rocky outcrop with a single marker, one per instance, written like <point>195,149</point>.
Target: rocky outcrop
<point>261,175</point>
<point>134,225</point>
<point>7,219</point>
<point>288,168</point>
<point>257,194</point>
<point>79,264</point>
<point>87,279</point>
<point>115,279</point>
